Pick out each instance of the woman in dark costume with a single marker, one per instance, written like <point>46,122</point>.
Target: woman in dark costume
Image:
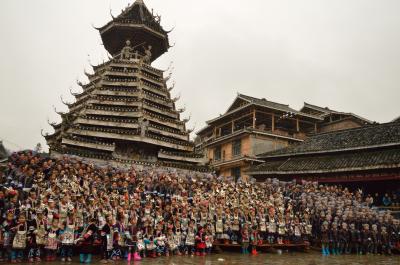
<point>86,242</point>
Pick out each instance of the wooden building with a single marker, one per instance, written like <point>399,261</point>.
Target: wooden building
<point>125,112</point>
<point>359,155</point>
<point>252,126</point>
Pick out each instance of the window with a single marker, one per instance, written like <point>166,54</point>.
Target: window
<point>217,153</point>
<point>235,172</point>
<point>237,148</point>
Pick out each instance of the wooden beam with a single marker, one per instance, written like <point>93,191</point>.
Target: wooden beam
<point>233,120</point>
<point>273,122</point>
<point>297,125</point>
<point>254,118</point>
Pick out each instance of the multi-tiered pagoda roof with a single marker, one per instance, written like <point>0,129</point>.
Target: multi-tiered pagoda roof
<point>125,111</point>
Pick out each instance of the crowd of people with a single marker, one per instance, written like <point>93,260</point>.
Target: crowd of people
<point>53,208</point>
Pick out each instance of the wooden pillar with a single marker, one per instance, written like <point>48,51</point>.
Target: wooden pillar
<point>273,122</point>
<point>315,127</point>
<point>233,126</point>
<point>254,119</point>
<point>297,125</point>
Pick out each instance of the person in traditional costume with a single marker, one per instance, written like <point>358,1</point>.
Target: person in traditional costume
<point>106,240</point>
<point>149,241</point>
<point>219,224</point>
<point>53,237</point>
<point>375,237</point>
<point>262,224</point>
<point>366,238</point>
<point>325,238</point>
<point>40,223</point>
<point>334,238</point>
<point>67,236</point>
<point>210,235</point>
<point>31,245</point>
<point>141,246</point>
<point>245,239</point>
<point>385,241</point>
<point>355,239</point>
<point>254,239</point>
<point>235,225</point>
<point>132,240</point>
<point>19,231</point>
<point>160,241</point>
<point>281,229</point>
<point>86,241</point>
<point>200,241</point>
<point>172,246</point>
<point>272,225</point>
<point>8,234</point>
<point>190,239</point>
<point>344,239</point>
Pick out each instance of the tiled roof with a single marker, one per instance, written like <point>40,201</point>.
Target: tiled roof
<point>325,163</point>
<point>366,137</point>
<point>326,111</point>
<point>267,103</point>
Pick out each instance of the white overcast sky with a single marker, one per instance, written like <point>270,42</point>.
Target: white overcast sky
<point>344,54</point>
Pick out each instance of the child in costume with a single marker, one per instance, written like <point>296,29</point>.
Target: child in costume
<point>141,246</point>
<point>105,238</point>
<point>209,239</point>
<point>344,239</point>
<point>219,224</point>
<point>172,246</point>
<point>20,231</point>
<point>160,240</point>
<point>67,236</point>
<point>297,231</point>
<point>8,234</point>
<point>149,242</point>
<point>366,239</point>
<point>235,218</point>
<point>53,235</point>
<point>334,239</point>
<point>254,240</point>
<point>200,242</point>
<point>375,239</point>
<point>281,229</point>
<point>262,224</point>
<point>325,238</point>
<point>355,239</point>
<point>190,239</point>
<point>271,226</point>
<point>31,244</point>
<point>132,240</point>
<point>40,223</point>
<point>245,239</point>
<point>386,246</point>
<point>179,238</point>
